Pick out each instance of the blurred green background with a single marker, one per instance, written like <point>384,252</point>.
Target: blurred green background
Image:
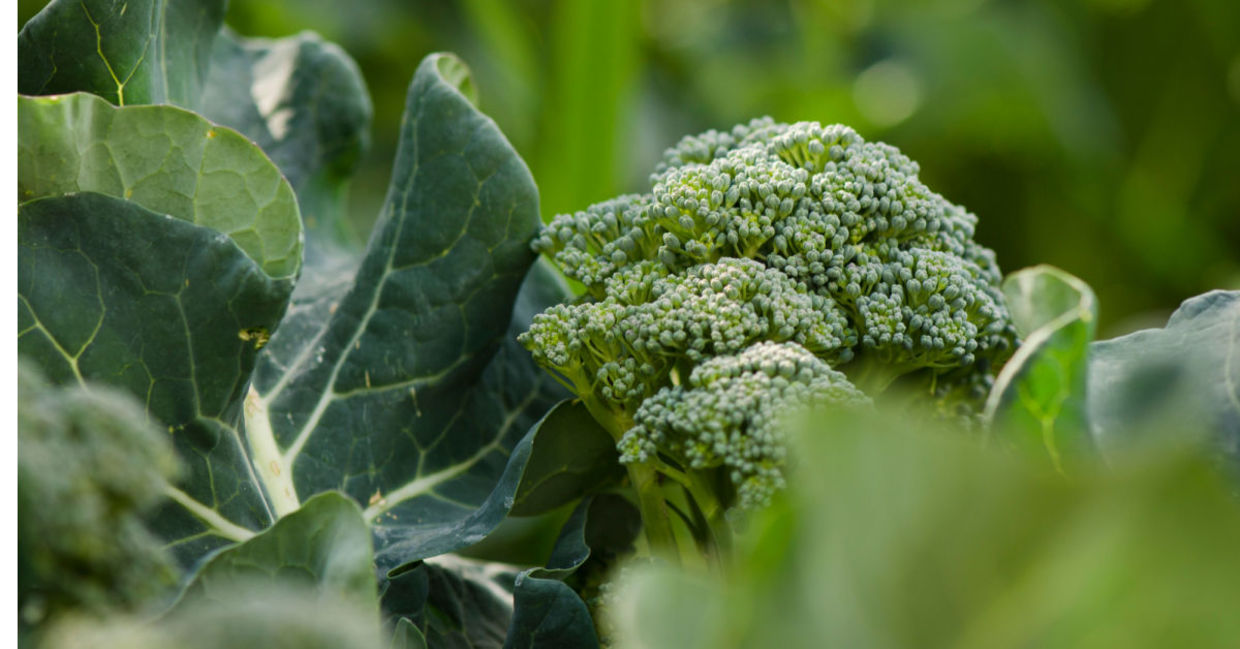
<point>1102,136</point>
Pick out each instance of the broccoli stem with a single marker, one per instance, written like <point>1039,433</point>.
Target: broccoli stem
<point>697,485</point>
<point>704,495</point>
<point>873,376</point>
<point>653,509</point>
<point>645,480</point>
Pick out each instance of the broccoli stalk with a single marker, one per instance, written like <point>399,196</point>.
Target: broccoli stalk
<point>763,263</point>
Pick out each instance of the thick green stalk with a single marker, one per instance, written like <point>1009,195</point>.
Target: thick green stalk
<point>712,509</point>
<point>645,479</point>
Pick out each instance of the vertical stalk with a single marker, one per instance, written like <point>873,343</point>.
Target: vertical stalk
<point>655,520</point>
<point>645,478</point>
<point>712,509</point>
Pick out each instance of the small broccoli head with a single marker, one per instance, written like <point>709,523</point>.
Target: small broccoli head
<point>89,466</point>
<point>729,415</point>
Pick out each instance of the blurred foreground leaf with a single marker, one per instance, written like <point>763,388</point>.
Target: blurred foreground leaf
<point>892,539</point>
<point>270,614</point>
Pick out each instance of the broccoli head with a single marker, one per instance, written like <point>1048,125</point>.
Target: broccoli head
<point>846,222</point>
<point>89,466</point>
<point>756,241</point>
<point>729,415</point>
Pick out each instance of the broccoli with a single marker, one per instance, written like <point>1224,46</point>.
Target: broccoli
<point>729,415</point>
<point>89,466</point>
<point>797,246</point>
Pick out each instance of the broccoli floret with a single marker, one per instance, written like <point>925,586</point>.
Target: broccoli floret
<point>799,234</point>
<point>624,347</point>
<point>729,415</point>
<point>89,466</point>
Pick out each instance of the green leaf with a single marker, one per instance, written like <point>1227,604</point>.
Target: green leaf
<point>1186,374</point>
<point>378,384</point>
<point>304,102</point>
<point>1038,400</point>
<point>452,602</point>
<point>169,311</point>
<point>549,615</point>
<point>132,52</point>
<point>603,527</point>
<point>268,614</point>
<point>407,636</point>
<point>324,547</point>
<point>167,160</point>
<point>572,457</point>
<point>898,536</point>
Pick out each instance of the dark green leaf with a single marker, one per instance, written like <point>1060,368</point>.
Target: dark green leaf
<point>132,52</point>
<point>603,526</point>
<point>452,602</point>
<point>304,102</point>
<point>1038,400</point>
<point>1186,374</point>
<point>324,546</point>
<point>549,615</point>
<point>167,160</point>
<point>548,612</point>
<point>572,457</point>
<point>376,386</point>
<point>169,311</point>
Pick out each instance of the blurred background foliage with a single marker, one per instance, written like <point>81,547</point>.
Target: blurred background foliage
<point>1102,136</point>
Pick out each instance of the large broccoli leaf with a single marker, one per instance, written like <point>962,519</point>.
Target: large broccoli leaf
<point>170,311</point>
<point>133,52</point>
<point>376,386</point>
<point>324,546</point>
<point>166,159</point>
<point>304,102</point>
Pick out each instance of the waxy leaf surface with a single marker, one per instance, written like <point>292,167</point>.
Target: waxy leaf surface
<point>382,382</point>
<point>304,102</point>
<point>167,160</point>
<point>170,311</point>
<point>131,52</point>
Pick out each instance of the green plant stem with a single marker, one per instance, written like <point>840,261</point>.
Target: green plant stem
<point>712,510</point>
<point>697,484</point>
<point>873,376</point>
<point>645,480</point>
<point>654,513</point>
